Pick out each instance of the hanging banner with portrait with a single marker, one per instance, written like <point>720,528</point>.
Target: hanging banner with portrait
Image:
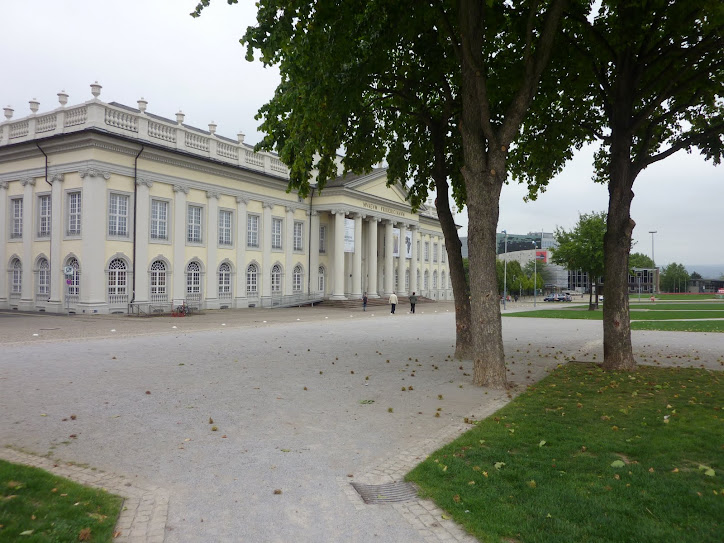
<point>395,242</point>
<point>408,244</point>
<point>349,235</point>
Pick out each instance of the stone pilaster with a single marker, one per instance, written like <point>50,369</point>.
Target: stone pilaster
<point>143,203</point>
<point>357,258</point>
<point>212,245</point>
<point>372,257</point>
<point>240,286</point>
<point>179,244</point>
<point>338,271</point>
<point>389,259</point>
<point>94,226</point>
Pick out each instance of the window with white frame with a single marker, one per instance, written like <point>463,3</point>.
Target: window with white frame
<point>224,227</point>
<point>117,280</point>
<point>16,217</point>
<point>44,211</point>
<point>426,282</point>
<point>16,277</point>
<point>443,255</point>
<point>434,252</point>
<point>397,282</point>
<point>74,213</point>
<point>159,219</point>
<point>118,215</point>
<point>297,279</point>
<point>298,236</point>
<point>252,231</point>
<point>427,251</point>
<point>419,254</point>
<point>443,283</point>
<point>322,239</point>
<point>225,280</point>
<point>407,280</point>
<point>252,279</point>
<point>321,279</point>
<point>276,234</point>
<point>74,285</point>
<point>193,224</point>
<point>43,279</point>
<point>276,278</point>
<point>158,282</point>
<point>193,279</point>
<point>434,280</point>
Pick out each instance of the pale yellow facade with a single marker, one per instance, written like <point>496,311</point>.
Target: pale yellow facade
<point>105,208</point>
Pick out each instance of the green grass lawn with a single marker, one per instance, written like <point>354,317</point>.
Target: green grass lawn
<point>36,506</point>
<point>680,326</point>
<point>591,456</point>
<point>688,297</point>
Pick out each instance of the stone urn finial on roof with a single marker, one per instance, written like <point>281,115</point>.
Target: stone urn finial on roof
<point>241,136</point>
<point>63,98</point>
<point>212,127</point>
<point>8,112</point>
<point>96,89</point>
<point>180,117</point>
<point>34,105</point>
<point>142,104</point>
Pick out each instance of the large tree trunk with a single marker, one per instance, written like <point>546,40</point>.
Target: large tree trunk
<point>463,332</point>
<point>617,347</point>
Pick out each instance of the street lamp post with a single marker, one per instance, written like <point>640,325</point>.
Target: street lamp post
<point>653,259</point>
<point>505,271</point>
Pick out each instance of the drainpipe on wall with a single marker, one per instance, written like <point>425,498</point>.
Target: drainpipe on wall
<point>135,219</point>
<point>50,231</point>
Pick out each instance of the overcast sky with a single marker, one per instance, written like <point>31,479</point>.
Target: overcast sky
<point>154,49</point>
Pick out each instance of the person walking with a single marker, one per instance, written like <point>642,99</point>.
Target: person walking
<point>364,302</point>
<point>413,301</point>
<point>393,302</point>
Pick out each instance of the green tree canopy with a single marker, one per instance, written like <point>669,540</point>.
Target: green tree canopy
<point>640,260</point>
<point>674,278</point>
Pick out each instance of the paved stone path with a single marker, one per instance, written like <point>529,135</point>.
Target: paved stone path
<point>300,398</point>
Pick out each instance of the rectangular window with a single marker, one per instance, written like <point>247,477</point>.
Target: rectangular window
<point>322,239</point>
<point>159,219</point>
<point>44,210</point>
<point>252,231</point>
<point>118,215</point>
<point>276,234</point>
<point>443,255</point>
<point>427,251</point>
<point>419,254</point>
<point>224,227</point>
<point>193,224</point>
<point>16,215</point>
<point>298,236</point>
<point>434,252</point>
<point>74,211</point>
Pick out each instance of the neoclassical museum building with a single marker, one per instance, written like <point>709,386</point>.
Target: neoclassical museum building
<point>106,208</point>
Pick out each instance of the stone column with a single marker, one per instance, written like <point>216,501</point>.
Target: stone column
<point>142,223</point>
<point>402,262</point>
<point>212,251</point>
<point>380,256</point>
<point>94,225</point>
<point>240,286</point>
<point>179,244</point>
<point>57,279</point>
<point>413,260</point>
<point>389,259</point>
<point>289,252</point>
<point>266,259</point>
<point>338,292</point>
<point>3,244</point>
<point>313,245</point>
<point>357,258</point>
<point>372,258</point>
<point>27,294</point>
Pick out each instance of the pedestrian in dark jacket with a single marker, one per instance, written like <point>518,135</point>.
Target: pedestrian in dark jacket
<point>413,301</point>
<point>364,302</point>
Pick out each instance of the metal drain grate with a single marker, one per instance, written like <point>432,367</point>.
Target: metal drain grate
<point>386,493</point>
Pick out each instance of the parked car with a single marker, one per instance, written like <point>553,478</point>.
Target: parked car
<point>554,298</point>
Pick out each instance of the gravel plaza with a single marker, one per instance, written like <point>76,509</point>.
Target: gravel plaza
<point>251,425</point>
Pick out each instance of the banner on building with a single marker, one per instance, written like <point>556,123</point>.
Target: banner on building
<point>542,256</point>
<point>408,244</point>
<point>395,242</point>
<point>349,235</point>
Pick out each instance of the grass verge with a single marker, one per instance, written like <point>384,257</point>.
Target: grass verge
<point>680,326</point>
<point>36,506</point>
<point>591,456</point>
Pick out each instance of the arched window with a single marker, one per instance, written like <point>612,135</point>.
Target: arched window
<point>252,283</point>
<point>43,279</point>
<point>322,279</point>
<point>225,280</point>
<point>434,279</point>
<point>74,285</point>
<point>117,280</point>
<point>426,284</point>
<point>16,277</point>
<point>158,281</point>
<point>297,279</point>
<point>276,279</point>
<point>193,279</point>
<point>407,280</point>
